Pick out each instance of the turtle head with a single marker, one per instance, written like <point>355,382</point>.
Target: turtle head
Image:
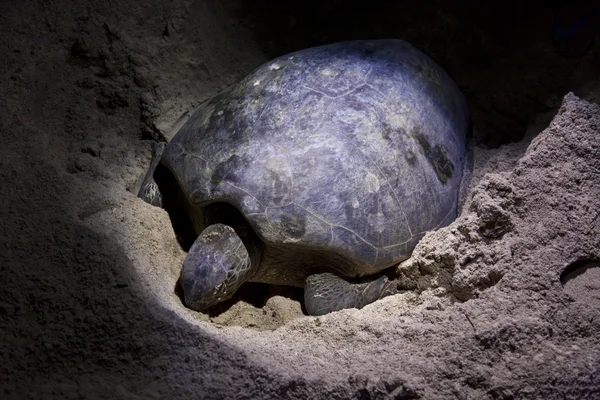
<point>217,264</point>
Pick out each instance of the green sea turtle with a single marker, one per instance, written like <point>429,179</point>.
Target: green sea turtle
<point>320,167</point>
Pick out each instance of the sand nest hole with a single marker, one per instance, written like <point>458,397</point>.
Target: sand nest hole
<point>492,237</point>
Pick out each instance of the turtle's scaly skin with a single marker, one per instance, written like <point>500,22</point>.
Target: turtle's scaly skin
<point>339,157</point>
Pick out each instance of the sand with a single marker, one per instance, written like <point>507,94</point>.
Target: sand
<point>503,303</point>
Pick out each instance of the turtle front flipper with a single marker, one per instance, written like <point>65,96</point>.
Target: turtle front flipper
<point>217,264</point>
<point>149,191</point>
<point>324,293</point>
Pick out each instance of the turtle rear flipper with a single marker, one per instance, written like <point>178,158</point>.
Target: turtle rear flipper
<point>149,191</point>
<point>324,293</point>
